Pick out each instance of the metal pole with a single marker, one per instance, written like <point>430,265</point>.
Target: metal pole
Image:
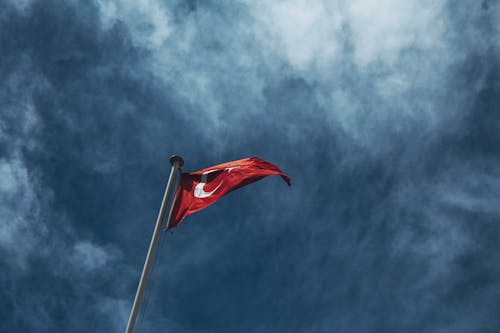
<point>177,162</point>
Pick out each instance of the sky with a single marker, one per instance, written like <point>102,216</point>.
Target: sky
<point>384,113</point>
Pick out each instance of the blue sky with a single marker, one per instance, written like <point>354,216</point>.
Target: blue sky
<point>384,113</point>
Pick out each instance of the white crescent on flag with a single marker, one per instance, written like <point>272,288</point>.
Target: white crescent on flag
<point>199,191</point>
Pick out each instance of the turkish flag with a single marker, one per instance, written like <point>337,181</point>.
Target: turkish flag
<point>198,190</point>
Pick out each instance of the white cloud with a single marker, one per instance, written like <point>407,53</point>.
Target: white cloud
<point>14,176</point>
<point>382,29</point>
<point>27,216</point>
<point>18,202</point>
<point>148,20</point>
<point>311,35</point>
<point>389,48</point>
<point>20,206</point>
<point>90,256</point>
<point>307,34</point>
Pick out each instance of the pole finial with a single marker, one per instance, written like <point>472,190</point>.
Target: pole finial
<point>177,159</point>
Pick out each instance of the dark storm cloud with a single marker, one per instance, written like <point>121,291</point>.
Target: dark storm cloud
<point>385,115</point>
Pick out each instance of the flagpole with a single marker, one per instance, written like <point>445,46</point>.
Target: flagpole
<point>177,162</point>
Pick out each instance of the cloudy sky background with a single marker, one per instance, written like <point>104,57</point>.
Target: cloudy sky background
<point>384,113</point>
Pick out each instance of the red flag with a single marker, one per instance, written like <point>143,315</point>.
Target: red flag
<point>198,190</point>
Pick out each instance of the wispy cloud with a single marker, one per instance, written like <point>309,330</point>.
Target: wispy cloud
<point>383,112</point>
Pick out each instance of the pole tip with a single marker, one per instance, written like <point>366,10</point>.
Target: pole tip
<point>176,159</point>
